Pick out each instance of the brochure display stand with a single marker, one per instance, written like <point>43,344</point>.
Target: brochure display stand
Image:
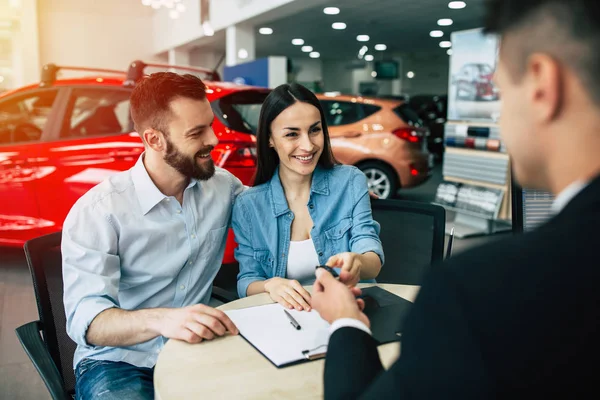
<point>476,169</point>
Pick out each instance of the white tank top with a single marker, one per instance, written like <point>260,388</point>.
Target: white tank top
<point>302,260</point>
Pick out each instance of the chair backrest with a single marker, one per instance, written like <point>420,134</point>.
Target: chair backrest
<point>412,235</point>
<point>45,264</point>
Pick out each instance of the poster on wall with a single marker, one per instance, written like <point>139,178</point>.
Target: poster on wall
<point>472,94</point>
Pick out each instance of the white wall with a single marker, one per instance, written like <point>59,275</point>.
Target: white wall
<point>223,13</point>
<point>431,75</point>
<point>307,69</point>
<point>103,34</point>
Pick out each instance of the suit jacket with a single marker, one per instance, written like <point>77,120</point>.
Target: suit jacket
<point>516,318</point>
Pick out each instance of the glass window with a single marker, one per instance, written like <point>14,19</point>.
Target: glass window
<point>97,111</point>
<point>342,112</point>
<point>408,115</point>
<point>369,109</point>
<point>240,111</point>
<point>23,118</point>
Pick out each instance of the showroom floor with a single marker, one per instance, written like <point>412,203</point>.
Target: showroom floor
<point>18,377</point>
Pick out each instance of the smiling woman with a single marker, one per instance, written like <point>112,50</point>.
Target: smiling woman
<point>321,212</point>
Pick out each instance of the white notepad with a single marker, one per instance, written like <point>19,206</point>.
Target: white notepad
<point>269,330</point>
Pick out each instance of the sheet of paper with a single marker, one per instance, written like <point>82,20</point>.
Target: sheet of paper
<point>270,331</point>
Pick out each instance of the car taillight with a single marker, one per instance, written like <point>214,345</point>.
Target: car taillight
<point>235,155</point>
<point>409,134</point>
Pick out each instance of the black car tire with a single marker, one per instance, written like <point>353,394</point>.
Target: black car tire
<point>376,170</point>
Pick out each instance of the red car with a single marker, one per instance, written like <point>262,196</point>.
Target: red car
<point>61,137</point>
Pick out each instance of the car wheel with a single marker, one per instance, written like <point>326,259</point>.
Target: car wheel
<point>381,179</point>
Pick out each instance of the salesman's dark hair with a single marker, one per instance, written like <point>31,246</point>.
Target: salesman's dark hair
<point>567,30</point>
<point>276,102</point>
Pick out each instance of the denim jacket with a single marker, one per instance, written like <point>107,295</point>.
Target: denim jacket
<point>339,206</point>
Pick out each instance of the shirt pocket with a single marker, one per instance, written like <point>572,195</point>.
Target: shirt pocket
<point>338,237</point>
<point>266,261</point>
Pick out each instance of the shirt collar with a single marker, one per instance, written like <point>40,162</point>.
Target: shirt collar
<point>147,193</point>
<point>567,194</point>
<point>319,185</point>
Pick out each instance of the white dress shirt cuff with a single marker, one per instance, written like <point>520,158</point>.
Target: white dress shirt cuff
<point>348,323</point>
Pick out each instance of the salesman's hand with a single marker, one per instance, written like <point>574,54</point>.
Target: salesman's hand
<point>289,293</point>
<point>334,300</point>
<point>350,264</point>
<point>194,324</point>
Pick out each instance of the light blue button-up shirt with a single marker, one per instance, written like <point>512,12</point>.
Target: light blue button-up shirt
<point>339,206</point>
<point>125,244</point>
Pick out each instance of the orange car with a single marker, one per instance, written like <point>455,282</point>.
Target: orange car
<point>384,138</point>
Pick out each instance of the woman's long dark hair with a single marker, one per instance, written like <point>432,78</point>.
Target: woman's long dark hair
<point>276,102</point>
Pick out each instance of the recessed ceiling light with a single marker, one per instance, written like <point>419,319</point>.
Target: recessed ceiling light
<point>265,31</point>
<point>445,44</point>
<point>369,57</point>
<point>410,74</point>
<point>380,47</point>
<point>449,52</point>
<point>436,33</point>
<point>445,22</point>
<point>307,49</point>
<point>331,10</point>
<point>314,54</point>
<point>338,25</point>
<point>457,5</point>
<point>374,74</point>
<point>297,42</point>
<point>243,54</point>
<point>363,38</point>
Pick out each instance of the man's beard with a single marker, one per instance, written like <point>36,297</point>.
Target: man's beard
<point>188,166</point>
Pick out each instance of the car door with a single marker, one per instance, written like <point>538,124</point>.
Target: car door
<point>25,118</point>
<point>94,141</point>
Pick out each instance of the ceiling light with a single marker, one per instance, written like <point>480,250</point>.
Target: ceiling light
<point>369,57</point>
<point>307,49</point>
<point>457,5</point>
<point>363,38</point>
<point>331,10</point>
<point>449,52</point>
<point>314,54</point>
<point>265,31</point>
<point>410,75</point>
<point>436,33</point>
<point>338,25</point>
<point>374,74</point>
<point>297,42</point>
<point>445,22</point>
<point>243,54</point>
<point>380,47</point>
<point>445,44</point>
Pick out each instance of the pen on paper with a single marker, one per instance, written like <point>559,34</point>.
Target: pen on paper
<point>294,323</point>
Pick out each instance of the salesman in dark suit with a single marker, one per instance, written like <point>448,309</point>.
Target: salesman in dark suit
<point>520,317</point>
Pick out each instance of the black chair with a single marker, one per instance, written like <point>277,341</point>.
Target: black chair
<point>412,235</point>
<point>46,341</point>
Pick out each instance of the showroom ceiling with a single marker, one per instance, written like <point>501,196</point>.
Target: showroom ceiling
<point>402,25</point>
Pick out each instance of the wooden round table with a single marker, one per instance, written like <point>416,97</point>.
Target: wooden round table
<point>230,368</point>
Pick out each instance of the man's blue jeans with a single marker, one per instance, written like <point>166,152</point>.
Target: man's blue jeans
<point>110,380</point>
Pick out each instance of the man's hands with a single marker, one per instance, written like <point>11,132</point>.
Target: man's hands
<point>350,263</point>
<point>289,293</point>
<point>194,324</point>
<point>334,300</point>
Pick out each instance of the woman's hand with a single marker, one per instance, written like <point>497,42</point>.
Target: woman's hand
<point>289,293</point>
<point>351,265</point>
